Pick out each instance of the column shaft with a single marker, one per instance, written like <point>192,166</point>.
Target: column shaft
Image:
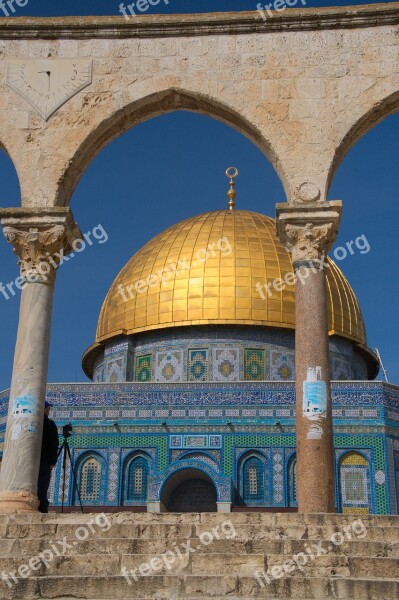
<point>20,466</point>
<point>39,239</point>
<point>308,232</point>
<point>315,453</point>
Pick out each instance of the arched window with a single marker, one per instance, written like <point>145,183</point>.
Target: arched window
<point>354,483</point>
<point>136,480</point>
<point>90,477</point>
<point>292,482</point>
<point>397,485</point>
<point>253,482</point>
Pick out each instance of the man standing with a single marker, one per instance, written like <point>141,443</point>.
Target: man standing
<point>48,458</point>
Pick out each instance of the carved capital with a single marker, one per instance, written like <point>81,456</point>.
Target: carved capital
<point>308,233</point>
<point>39,239</point>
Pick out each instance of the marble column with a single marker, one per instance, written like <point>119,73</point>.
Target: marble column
<point>39,239</point>
<point>308,233</point>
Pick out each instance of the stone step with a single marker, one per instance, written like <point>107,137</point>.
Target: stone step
<point>240,565</point>
<point>32,547</point>
<point>190,586</point>
<point>167,531</point>
<point>271,519</point>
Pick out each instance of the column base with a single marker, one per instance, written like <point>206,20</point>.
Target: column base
<point>156,507</point>
<point>224,507</point>
<point>12,503</point>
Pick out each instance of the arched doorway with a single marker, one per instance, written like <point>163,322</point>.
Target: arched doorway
<point>189,490</point>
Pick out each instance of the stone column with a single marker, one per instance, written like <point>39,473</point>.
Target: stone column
<point>308,233</point>
<point>39,238</point>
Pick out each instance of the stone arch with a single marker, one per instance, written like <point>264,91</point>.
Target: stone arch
<point>382,109</point>
<point>179,491</point>
<point>14,163</point>
<point>144,108</point>
<point>202,456</point>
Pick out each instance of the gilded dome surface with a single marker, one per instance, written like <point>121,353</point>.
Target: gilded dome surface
<point>208,270</point>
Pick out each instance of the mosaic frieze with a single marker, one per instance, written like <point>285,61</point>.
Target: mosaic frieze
<point>254,365</point>
<point>198,365</point>
<point>282,366</point>
<point>226,364</point>
<point>168,366</point>
<point>225,357</point>
<point>143,371</point>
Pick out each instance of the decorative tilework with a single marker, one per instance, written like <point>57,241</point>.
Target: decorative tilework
<point>215,441</point>
<point>203,458</point>
<point>393,460</point>
<point>144,368</point>
<point>113,474</point>
<point>176,441</point>
<point>61,481</point>
<point>226,364</point>
<point>282,366</point>
<point>195,441</point>
<point>354,479</point>
<point>215,455</point>
<point>363,412</point>
<point>169,366</point>
<point>278,476</point>
<point>380,477</point>
<point>114,371</point>
<point>51,489</point>
<point>254,365</point>
<point>198,365</point>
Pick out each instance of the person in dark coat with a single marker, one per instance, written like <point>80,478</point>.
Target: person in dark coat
<point>48,458</point>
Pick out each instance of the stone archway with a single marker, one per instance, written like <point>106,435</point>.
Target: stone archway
<point>189,490</point>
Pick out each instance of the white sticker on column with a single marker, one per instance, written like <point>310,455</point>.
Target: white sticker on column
<point>24,406</point>
<point>314,405</point>
<point>315,432</point>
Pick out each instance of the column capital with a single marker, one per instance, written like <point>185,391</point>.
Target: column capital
<point>308,232</point>
<point>39,238</point>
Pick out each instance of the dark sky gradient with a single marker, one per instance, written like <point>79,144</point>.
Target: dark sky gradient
<point>171,168</point>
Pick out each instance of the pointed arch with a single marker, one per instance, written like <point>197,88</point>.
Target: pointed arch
<point>254,480</point>
<point>382,109</point>
<point>354,483</point>
<point>90,472</point>
<point>157,102</point>
<point>136,474</point>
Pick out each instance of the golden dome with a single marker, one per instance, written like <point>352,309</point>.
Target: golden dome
<point>179,287</point>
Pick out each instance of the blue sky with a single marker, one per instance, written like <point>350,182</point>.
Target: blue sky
<point>171,168</point>
<point>110,7</point>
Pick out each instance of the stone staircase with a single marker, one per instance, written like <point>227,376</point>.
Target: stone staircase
<point>198,556</point>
